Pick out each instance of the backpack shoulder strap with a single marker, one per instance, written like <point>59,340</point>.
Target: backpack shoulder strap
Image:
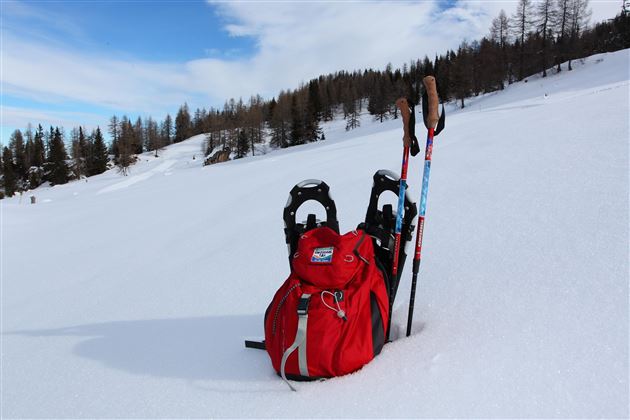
<point>300,341</point>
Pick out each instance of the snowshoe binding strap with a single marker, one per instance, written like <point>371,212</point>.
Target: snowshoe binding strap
<point>408,113</point>
<point>310,189</point>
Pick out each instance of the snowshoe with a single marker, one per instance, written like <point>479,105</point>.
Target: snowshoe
<point>380,224</point>
<point>310,189</point>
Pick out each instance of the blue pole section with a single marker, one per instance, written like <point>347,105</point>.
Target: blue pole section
<point>423,209</point>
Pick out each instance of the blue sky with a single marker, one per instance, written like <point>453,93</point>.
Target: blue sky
<point>165,31</point>
<point>76,63</point>
<point>141,29</point>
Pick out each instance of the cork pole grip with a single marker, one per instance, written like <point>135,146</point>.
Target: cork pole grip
<point>403,106</point>
<point>433,117</point>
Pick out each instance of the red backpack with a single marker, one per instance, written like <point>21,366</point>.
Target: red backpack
<point>329,317</point>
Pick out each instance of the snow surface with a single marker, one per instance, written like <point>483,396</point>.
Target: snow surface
<point>131,296</point>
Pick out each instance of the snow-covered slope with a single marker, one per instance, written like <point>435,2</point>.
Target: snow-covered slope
<point>131,296</point>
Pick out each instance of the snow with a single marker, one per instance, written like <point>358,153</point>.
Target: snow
<point>131,296</point>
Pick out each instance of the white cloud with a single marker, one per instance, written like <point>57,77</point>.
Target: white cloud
<point>294,42</point>
<point>50,74</point>
<point>604,9</point>
<point>27,19</point>
<point>21,117</point>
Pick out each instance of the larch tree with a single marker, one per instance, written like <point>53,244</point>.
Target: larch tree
<point>522,22</point>
<point>579,17</point>
<point>563,14</point>
<point>167,130</point>
<point>545,18</point>
<point>182,124</point>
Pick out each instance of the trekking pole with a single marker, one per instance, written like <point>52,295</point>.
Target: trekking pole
<point>403,106</point>
<point>434,124</point>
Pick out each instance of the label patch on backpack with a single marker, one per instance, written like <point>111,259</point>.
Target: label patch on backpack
<point>323,255</point>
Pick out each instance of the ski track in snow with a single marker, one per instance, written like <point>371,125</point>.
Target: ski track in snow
<point>134,302</point>
<point>134,179</point>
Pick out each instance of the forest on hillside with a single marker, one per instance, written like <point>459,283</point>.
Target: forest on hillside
<point>536,39</point>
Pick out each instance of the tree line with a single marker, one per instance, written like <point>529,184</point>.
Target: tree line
<point>537,37</point>
<point>38,156</point>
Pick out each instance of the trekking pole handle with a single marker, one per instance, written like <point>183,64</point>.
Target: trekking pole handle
<point>405,113</point>
<point>433,116</point>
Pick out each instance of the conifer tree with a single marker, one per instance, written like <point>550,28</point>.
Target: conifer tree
<point>98,156</point>
<point>312,113</point>
<point>124,159</point>
<point>377,99</point>
<point>137,137</point>
<point>461,81</point>
<point>28,133</point>
<point>242,144</point>
<point>579,16</point>
<point>396,90</point>
<point>167,130</point>
<point>442,72</point>
<point>492,67</point>
<point>9,178</point>
<point>58,168</point>
<point>499,33</point>
<point>351,110</point>
<point>182,124</point>
<point>314,105</point>
<point>522,21</point>
<point>326,101</point>
<point>38,156</point>
<point>197,126</point>
<point>152,136</point>
<point>254,121</point>
<point>79,153</point>
<point>18,149</point>
<point>546,16</point>
<point>297,133</point>
<point>563,13</point>
<point>29,137</point>
<point>279,121</point>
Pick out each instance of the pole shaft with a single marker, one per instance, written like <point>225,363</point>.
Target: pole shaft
<point>397,234</point>
<point>423,208</point>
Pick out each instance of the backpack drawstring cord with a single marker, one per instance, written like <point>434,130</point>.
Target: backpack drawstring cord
<point>340,312</point>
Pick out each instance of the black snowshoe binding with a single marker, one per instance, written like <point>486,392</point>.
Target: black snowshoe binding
<point>310,189</point>
<point>380,224</point>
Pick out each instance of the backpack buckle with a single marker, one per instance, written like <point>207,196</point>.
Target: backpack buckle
<point>302,308</point>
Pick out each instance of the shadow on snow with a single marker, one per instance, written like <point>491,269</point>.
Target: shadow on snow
<point>203,348</point>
